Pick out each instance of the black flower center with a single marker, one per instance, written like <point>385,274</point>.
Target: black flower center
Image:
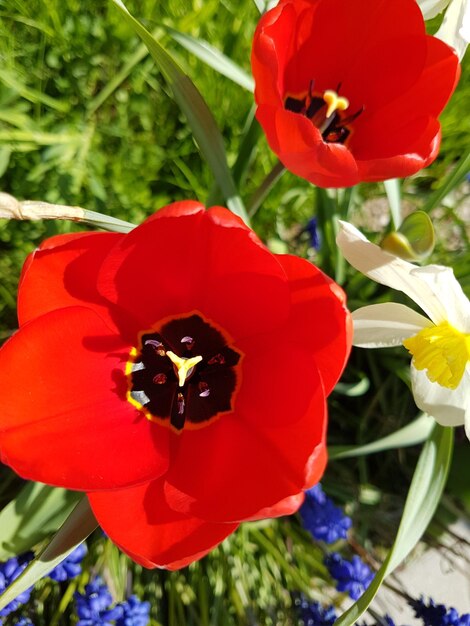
<point>326,112</point>
<point>183,373</point>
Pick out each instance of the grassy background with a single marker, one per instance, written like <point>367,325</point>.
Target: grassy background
<point>82,121</point>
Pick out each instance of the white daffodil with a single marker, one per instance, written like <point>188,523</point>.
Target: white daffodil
<point>455,27</point>
<point>439,343</point>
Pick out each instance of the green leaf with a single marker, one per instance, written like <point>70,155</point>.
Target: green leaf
<point>411,434</point>
<point>10,79</point>
<point>392,189</point>
<point>80,523</point>
<point>200,118</point>
<point>106,222</point>
<point>11,208</point>
<point>423,497</point>
<point>214,58</point>
<point>34,514</point>
<point>115,82</point>
<point>452,180</point>
<point>353,390</point>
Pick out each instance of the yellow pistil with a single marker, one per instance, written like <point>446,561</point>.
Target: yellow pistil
<point>443,351</point>
<point>334,102</point>
<point>183,366</point>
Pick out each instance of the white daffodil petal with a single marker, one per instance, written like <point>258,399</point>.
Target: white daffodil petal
<point>445,286</point>
<point>431,8</point>
<point>449,407</point>
<point>464,31</point>
<point>385,325</point>
<point>388,270</point>
<point>454,29</point>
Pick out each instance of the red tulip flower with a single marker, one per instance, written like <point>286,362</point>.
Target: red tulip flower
<point>177,374</point>
<point>350,90</point>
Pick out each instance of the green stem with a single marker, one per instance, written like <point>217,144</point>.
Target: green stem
<point>263,190</point>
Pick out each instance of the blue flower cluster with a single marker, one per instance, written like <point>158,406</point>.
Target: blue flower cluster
<point>322,518</point>
<point>9,571</point>
<point>352,576</point>
<point>94,608</point>
<point>313,614</point>
<point>314,235</point>
<point>70,567</point>
<point>437,614</point>
<point>134,612</point>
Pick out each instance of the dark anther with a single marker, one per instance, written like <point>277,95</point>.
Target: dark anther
<point>160,379</point>
<point>295,105</point>
<point>189,341</point>
<point>337,134</point>
<point>180,404</point>
<point>204,389</point>
<point>218,359</point>
<point>351,118</point>
<point>315,105</point>
<point>156,345</point>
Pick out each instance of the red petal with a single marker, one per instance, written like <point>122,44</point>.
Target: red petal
<point>406,125</point>
<point>242,463</point>
<point>274,43</point>
<point>425,134</point>
<point>65,418</point>
<point>339,36</point>
<point>197,260</point>
<point>140,522</point>
<point>62,273</point>
<point>284,507</point>
<point>300,147</point>
<point>319,320</point>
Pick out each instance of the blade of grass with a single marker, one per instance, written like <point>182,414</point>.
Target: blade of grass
<point>423,498</point>
<point>213,58</point>
<point>392,189</point>
<point>10,80</point>
<point>11,208</point>
<point>452,180</point>
<point>246,151</point>
<point>263,190</point>
<point>114,83</point>
<point>36,512</point>
<point>200,118</point>
<point>80,523</point>
<point>411,434</point>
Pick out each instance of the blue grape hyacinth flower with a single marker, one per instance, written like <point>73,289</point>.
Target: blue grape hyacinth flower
<point>9,571</point>
<point>71,566</point>
<point>94,606</point>
<point>135,612</point>
<point>322,518</point>
<point>352,576</point>
<point>433,614</point>
<point>314,235</point>
<point>312,613</point>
